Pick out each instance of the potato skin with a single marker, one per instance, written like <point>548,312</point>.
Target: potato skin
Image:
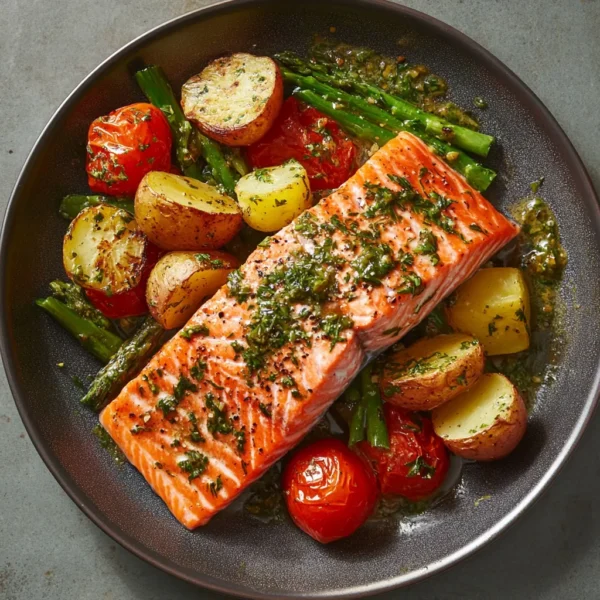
<point>427,390</point>
<point>181,281</point>
<point>494,442</point>
<point>174,226</point>
<point>218,83</point>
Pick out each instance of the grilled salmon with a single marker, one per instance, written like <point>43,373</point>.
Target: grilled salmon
<point>261,361</point>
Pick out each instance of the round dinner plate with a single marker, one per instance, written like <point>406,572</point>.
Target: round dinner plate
<point>235,553</point>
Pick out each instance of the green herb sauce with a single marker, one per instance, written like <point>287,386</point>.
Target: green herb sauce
<point>412,82</point>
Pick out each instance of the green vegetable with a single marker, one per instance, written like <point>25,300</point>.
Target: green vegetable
<point>398,109</point>
<point>357,424</point>
<point>477,175</point>
<point>377,433</point>
<point>73,204</point>
<point>75,299</point>
<point>124,364</point>
<point>99,342</point>
<point>189,142</point>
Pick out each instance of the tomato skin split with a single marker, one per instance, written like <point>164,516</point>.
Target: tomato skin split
<point>313,139</point>
<point>125,145</point>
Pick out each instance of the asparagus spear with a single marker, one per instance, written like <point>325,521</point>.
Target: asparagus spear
<point>477,175</point>
<point>357,424</point>
<point>73,204</point>
<point>124,365</point>
<point>462,137</point>
<point>74,298</point>
<point>101,343</point>
<point>377,433</point>
<point>189,142</point>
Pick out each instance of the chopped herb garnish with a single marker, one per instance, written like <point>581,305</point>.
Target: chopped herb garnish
<point>216,486</point>
<point>333,325</point>
<point>264,409</point>
<point>217,421</point>
<point>191,330</point>
<point>194,465</point>
<point>420,468</point>
<point>428,245</point>
<point>412,284</point>
<point>198,370</point>
<point>237,288</point>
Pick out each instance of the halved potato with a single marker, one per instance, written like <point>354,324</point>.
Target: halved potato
<point>484,423</point>
<point>104,249</point>
<point>493,306</point>
<point>180,213</point>
<point>235,99</point>
<point>432,371</point>
<point>181,281</point>
<point>272,198</point>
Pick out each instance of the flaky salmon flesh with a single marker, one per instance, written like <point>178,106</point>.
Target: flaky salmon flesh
<point>260,362</point>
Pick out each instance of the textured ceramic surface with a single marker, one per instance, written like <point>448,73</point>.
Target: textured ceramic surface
<point>235,553</point>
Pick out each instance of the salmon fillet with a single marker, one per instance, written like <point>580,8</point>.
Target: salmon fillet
<point>260,362</point>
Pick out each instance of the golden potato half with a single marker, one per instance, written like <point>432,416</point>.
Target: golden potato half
<point>235,99</point>
<point>493,306</point>
<point>181,281</point>
<point>432,371</point>
<point>272,198</point>
<point>104,249</point>
<point>180,213</point>
<point>484,423</point>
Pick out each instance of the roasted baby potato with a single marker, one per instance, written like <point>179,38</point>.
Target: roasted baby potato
<point>273,197</point>
<point>104,250</point>
<point>484,423</point>
<point>493,306</point>
<point>235,99</point>
<point>180,213</point>
<point>432,371</point>
<point>181,281</point>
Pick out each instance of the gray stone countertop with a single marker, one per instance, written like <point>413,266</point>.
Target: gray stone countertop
<point>48,548</point>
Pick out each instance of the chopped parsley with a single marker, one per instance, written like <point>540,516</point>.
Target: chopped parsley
<point>187,332</point>
<point>194,465</point>
<point>412,284</point>
<point>217,421</point>
<point>428,245</point>
<point>237,288</point>
<point>420,468</point>
<point>332,326</point>
<point>373,263</point>
<point>216,486</point>
<point>265,409</point>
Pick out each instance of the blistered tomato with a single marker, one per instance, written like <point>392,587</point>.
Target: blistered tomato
<point>125,145</point>
<point>329,490</point>
<point>313,139</point>
<point>417,461</point>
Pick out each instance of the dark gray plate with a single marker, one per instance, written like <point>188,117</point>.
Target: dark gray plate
<point>234,553</point>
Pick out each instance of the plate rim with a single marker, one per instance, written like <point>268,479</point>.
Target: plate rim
<point>86,505</point>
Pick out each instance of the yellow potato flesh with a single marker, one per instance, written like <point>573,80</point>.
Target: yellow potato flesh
<point>494,307</point>
<point>489,400</point>
<point>191,192</point>
<point>181,281</point>
<point>272,198</point>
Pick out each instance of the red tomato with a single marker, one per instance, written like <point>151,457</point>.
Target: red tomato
<point>417,461</point>
<point>329,490</point>
<point>132,302</point>
<point>313,139</point>
<point>124,146</point>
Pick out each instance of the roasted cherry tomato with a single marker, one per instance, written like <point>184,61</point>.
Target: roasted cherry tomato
<point>124,146</point>
<point>132,302</point>
<point>417,461</point>
<point>329,490</point>
<point>313,139</point>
